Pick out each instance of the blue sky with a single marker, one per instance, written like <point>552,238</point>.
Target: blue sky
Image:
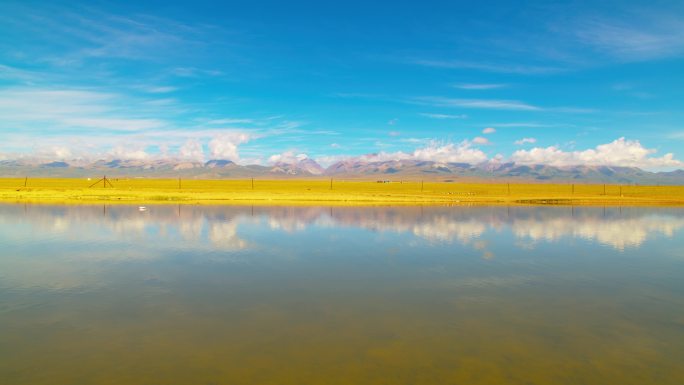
<point>261,81</point>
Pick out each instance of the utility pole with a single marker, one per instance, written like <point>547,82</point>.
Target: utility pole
<point>331,183</point>
<point>573,189</point>
<point>179,183</point>
<point>421,186</point>
<point>104,181</point>
<point>508,185</point>
<point>25,182</point>
<point>604,189</point>
<point>252,183</point>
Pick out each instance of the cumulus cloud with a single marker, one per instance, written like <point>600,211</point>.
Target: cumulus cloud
<point>489,130</point>
<point>128,153</point>
<point>287,157</point>
<point>523,141</point>
<point>620,152</point>
<point>192,150</point>
<point>481,140</point>
<point>462,152</point>
<point>225,146</point>
<point>59,152</point>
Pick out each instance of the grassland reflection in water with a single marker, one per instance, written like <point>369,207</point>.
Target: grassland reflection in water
<point>311,295</point>
<point>218,227</point>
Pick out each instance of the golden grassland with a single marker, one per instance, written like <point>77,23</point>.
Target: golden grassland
<point>337,192</point>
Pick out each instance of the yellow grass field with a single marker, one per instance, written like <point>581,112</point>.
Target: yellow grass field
<point>311,192</point>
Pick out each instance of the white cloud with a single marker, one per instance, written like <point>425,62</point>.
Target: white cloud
<point>115,124</point>
<point>523,141</point>
<point>525,124</point>
<point>481,140</point>
<point>620,152</point>
<point>230,121</point>
<point>462,152</point>
<point>161,89</point>
<point>434,151</point>
<point>287,157</point>
<point>444,116</point>
<point>192,150</point>
<point>645,36</point>
<point>225,146</point>
<point>392,122</point>
<point>489,130</point>
<point>192,72</point>
<point>481,86</point>
<point>17,74</point>
<point>57,109</point>
<point>512,105</point>
<point>128,153</point>
<point>57,153</point>
<point>508,67</point>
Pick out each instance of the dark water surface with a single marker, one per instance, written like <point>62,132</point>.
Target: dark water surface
<point>318,295</point>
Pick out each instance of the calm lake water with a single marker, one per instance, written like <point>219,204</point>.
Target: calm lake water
<point>319,295</point>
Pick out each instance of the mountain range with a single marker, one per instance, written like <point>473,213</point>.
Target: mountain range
<point>348,169</point>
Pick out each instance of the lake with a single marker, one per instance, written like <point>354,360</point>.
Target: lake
<point>341,295</point>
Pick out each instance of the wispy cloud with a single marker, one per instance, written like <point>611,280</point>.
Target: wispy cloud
<point>193,72</point>
<point>479,86</point>
<point>511,68</point>
<point>114,124</point>
<point>230,121</point>
<point>17,74</point>
<point>59,109</point>
<point>160,89</point>
<point>478,103</point>
<point>648,35</point>
<point>525,124</point>
<point>443,116</point>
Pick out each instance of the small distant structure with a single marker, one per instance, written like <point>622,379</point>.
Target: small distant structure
<point>105,181</point>
<point>383,181</point>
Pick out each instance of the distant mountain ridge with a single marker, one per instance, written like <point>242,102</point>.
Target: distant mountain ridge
<point>351,169</point>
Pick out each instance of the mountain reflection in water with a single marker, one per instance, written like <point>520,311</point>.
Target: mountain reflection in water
<point>337,295</point>
<point>218,226</point>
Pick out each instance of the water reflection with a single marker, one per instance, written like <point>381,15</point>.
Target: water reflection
<point>219,227</point>
<point>319,295</point>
